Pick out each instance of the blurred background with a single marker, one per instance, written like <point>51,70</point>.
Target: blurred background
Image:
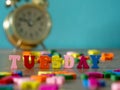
<point>77,24</point>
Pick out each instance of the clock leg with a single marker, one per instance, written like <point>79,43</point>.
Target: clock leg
<point>43,46</point>
<point>18,44</point>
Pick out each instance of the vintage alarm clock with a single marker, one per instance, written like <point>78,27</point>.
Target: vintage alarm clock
<point>28,25</point>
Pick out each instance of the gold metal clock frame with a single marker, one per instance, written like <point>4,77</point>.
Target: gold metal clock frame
<point>14,38</point>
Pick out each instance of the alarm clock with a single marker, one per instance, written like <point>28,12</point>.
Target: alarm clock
<point>28,25</point>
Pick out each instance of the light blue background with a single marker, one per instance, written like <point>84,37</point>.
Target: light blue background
<point>78,24</point>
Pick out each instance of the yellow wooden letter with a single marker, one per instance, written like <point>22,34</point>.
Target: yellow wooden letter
<point>56,62</point>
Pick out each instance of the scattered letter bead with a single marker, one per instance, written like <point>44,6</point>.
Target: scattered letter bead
<point>59,80</point>
<point>95,74</point>
<point>115,86</point>
<point>93,83</point>
<point>49,87</point>
<point>93,52</point>
<point>85,83</point>
<point>6,87</point>
<point>106,56</point>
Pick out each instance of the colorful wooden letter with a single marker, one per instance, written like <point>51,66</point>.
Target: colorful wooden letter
<point>56,62</point>
<point>83,63</point>
<point>95,61</point>
<point>14,59</point>
<point>29,63</point>
<point>69,61</point>
<point>44,62</point>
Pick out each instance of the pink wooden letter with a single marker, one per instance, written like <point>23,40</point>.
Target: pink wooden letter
<point>69,61</point>
<point>14,59</point>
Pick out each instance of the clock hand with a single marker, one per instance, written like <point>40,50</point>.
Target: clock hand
<point>37,19</point>
<point>30,23</point>
<point>23,19</point>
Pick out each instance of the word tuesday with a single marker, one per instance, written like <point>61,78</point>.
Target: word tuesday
<point>44,61</point>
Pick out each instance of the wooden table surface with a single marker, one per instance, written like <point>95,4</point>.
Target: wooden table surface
<point>69,85</point>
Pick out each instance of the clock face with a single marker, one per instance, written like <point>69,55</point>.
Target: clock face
<point>31,24</point>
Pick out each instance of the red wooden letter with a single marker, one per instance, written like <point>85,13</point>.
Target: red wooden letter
<point>29,63</point>
<point>83,64</point>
